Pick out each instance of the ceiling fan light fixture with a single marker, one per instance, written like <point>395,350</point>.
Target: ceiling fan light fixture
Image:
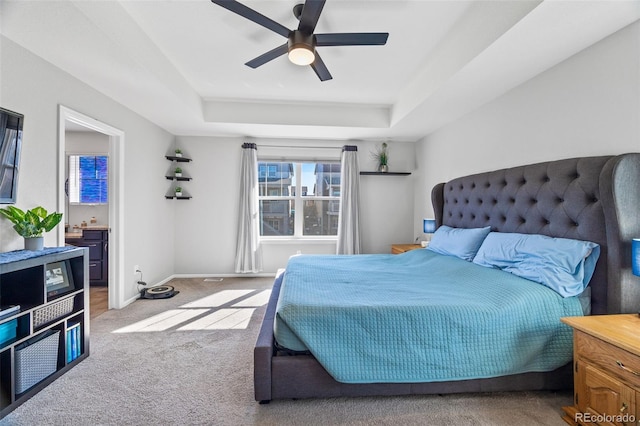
<point>301,48</point>
<point>301,56</point>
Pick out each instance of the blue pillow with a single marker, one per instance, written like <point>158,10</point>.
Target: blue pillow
<point>561,264</point>
<point>460,242</point>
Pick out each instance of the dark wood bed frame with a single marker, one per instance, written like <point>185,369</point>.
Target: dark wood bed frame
<point>589,198</point>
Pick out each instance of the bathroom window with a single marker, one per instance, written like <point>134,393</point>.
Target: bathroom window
<point>88,178</point>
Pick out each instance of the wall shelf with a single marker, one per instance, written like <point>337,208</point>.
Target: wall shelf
<point>178,159</point>
<point>173,177</point>
<point>385,173</point>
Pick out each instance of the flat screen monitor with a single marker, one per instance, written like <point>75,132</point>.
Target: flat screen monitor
<point>10,145</point>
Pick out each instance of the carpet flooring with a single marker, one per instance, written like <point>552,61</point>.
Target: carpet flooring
<point>188,361</point>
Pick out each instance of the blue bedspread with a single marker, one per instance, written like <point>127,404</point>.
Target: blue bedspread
<point>420,317</point>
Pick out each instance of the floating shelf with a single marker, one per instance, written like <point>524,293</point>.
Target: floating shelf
<point>178,159</point>
<point>385,173</point>
<point>173,177</point>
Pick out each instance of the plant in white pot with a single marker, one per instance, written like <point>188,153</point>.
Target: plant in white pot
<point>31,224</point>
<point>178,172</point>
<point>178,153</point>
<point>178,191</point>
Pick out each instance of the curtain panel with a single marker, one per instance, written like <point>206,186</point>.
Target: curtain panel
<point>348,220</point>
<point>248,253</point>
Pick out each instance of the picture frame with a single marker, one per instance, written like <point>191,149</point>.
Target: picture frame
<point>58,278</point>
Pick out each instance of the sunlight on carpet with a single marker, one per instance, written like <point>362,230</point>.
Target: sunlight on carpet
<point>225,310</point>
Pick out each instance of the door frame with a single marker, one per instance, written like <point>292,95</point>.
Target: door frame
<point>116,191</point>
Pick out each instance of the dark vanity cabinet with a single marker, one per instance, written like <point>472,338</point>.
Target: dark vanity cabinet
<point>98,243</point>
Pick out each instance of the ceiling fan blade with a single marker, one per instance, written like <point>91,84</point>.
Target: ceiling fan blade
<point>266,57</point>
<point>310,15</point>
<point>321,69</point>
<point>254,16</point>
<point>352,39</point>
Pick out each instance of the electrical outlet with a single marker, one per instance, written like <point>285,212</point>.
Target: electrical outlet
<point>136,269</point>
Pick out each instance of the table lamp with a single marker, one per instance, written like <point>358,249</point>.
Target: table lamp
<point>635,256</point>
<point>428,227</point>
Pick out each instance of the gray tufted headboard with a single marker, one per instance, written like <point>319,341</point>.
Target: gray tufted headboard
<point>590,198</point>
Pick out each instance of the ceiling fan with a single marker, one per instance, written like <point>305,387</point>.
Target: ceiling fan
<point>302,42</point>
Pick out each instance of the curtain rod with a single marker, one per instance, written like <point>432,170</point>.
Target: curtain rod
<point>299,147</point>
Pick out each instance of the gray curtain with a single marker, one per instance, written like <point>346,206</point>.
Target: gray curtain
<point>348,220</point>
<point>248,255</point>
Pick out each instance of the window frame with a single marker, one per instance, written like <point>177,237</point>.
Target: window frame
<point>298,200</point>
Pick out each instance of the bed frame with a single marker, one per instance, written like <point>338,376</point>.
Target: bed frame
<point>588,198</point>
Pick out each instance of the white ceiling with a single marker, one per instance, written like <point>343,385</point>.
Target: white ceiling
<point>180,63</point>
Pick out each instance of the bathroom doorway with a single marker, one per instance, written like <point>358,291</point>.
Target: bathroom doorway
<point>94,223</point>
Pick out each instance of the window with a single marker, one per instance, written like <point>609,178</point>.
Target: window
<point>309,188</point>
<point>88,177</point>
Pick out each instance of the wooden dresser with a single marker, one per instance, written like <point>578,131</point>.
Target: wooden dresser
<point>606,357</point>
<point>401,248</point>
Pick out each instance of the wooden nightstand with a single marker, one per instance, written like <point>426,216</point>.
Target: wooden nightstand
<point>606,365</point>
<point>401,248</point>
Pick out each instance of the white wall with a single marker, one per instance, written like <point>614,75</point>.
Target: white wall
<point>207,223</point>
<point>35,88</point>
<point>586,105</point>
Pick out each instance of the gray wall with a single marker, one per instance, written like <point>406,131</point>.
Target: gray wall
<point>206,225</point>
<point>35,88</point>
<point>586,105</point>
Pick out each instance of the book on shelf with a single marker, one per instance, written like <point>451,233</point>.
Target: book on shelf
<point>67,346</point>
<point>9,311</point>
<point>8,331</point>
<point>73,342</point>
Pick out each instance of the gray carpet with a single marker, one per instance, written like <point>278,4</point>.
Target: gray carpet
<point>150,370</point>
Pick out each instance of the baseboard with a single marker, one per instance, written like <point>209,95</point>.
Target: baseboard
<point>176,276</point>
<point>256,275</point>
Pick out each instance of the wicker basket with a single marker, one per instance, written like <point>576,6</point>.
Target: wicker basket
<point>52,311</point>
<point>36,361</point>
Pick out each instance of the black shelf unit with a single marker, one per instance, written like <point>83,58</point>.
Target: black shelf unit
<point>42,315</point>
<point>385,173</point>
<point>173,158</point>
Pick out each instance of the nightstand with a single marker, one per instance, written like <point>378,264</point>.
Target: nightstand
<point>401,248</point>
<point>606,368</point>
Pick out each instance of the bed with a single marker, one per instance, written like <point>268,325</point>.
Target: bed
<point>593,199</point>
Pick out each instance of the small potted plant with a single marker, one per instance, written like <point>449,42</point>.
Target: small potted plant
<point>178,191</point>
<point>178,152</point>
<point>381,155</point>
<point>31,224</point>
<point>177,172</point>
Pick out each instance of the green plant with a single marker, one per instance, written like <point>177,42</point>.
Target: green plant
<point>178,151</point>
<point>32,223</point>
<point>178,189</point>
<point>178,170</point>
<point>381,154</point>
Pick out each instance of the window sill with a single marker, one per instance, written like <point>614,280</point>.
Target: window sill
<point>276,241</point>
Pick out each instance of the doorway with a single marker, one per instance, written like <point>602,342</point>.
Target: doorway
<point>73,120</point>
